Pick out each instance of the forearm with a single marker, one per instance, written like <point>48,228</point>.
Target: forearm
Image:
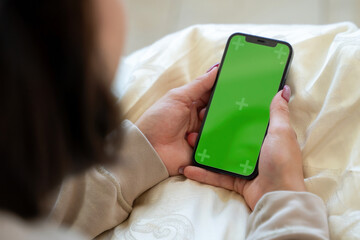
<point>103,197</point>
<point>288,215</point>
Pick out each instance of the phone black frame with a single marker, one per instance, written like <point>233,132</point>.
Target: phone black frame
<point>257,40</point>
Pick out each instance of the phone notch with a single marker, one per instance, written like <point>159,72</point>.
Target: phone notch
<point>261,40</point>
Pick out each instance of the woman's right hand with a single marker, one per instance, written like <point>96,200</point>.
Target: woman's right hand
<point>280,163</point>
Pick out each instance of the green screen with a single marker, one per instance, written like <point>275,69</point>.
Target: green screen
<point>237,117</point>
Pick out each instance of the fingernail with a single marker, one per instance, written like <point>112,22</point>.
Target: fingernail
<point>212,67</point>
<point>286,94</point>
<point>181,170</point>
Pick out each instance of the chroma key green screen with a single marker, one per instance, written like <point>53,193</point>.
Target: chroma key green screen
<point>238,114</point>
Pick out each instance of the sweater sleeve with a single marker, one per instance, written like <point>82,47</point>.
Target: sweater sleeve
<point>103,197</point>
<point>288,215</point>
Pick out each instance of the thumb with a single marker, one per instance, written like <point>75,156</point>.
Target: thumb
<point>197,88</point>
<point>279,110</point>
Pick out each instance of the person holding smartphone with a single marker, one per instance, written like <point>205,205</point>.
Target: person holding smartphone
<point>67,159</point>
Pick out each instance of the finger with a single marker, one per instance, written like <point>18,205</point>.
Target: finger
<point>214,179</point>
<point>201,86</point>
<point>202,114</point>
<point>203,101</point>
<point>286,93</point>
<point>279,111</point>
<point>191,138</point>
<point>213,66</point>
<point>199,122</point>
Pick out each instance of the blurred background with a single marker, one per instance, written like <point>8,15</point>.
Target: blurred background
<point>150,20</point>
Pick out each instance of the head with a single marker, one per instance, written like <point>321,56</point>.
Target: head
<point>57,62</point>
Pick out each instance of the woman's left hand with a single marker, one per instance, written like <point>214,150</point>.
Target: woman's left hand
<point>167,123</point>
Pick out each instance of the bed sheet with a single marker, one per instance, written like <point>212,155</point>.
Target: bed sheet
<point>324,109</point>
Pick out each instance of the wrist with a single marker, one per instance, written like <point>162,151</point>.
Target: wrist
<point>292,185</point>
<point>155,146</point>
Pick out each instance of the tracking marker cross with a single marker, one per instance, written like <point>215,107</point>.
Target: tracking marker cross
<point>246,166</point>
<point>203,155</point>
<point>242,104</point>
<point>280,52</point>
<point>238,43</point>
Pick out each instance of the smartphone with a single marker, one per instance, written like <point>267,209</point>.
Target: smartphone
<point>252,70</point>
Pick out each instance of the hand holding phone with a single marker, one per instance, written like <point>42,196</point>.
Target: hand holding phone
<point>167,122</point>
<point>280,163</point>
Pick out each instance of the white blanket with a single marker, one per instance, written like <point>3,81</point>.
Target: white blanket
<point>325,112</point>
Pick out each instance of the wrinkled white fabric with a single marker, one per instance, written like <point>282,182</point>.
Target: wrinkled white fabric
<point>325,112</point>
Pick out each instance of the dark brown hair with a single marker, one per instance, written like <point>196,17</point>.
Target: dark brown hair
<point>55,99</point>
